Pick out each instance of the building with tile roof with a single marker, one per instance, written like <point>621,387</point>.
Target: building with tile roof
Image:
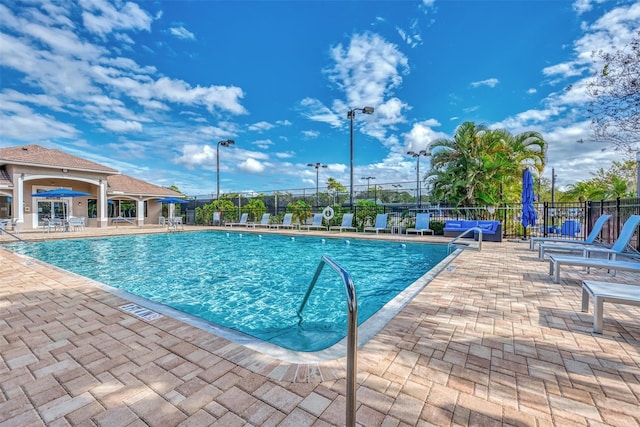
<point>30,169</point>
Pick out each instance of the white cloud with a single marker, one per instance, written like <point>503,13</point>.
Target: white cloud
<point>310,133</point>
<point>96,81</point>
<point>313,109</point>
<point>261,126</point>
<point>102,17</point>
<point>251,165</point>
<point>492,82</point>
<point>531,91</point>
<point>287,155</point>
<point>613,30</point>
<point>196,155</point>
<point>421,135</point>
<point>182,33</point>
<point>263,144</point>
<point>412,36</point>
<point>122,126</point>
<point>368,69</point>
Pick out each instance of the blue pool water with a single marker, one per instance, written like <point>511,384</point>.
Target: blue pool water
<point>249,282</point>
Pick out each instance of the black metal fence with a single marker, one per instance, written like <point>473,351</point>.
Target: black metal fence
<point>572,220</point>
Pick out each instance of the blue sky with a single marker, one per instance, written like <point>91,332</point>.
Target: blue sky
<point>149,88</point>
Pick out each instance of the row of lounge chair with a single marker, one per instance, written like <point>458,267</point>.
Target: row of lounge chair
<point>594,254</point>
<point>422,223</point>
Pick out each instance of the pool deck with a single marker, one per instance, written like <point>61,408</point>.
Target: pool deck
<point>490,341</point>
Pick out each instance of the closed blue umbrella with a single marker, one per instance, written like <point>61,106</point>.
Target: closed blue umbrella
<point>528,217</point>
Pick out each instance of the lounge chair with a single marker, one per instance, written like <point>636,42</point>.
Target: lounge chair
<point>556,261</point>
<point>380,225</point>
<point>286,222</point>
<point>317,223</point>
<point>422,225</point>
<point>243,221</point>
<point>591,238</point>
<point>618,293</point>
<point>347,224</point>
<point>620,245</point>
<point>264,222</point>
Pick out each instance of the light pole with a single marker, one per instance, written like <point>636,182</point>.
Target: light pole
<point>397,186</point>
<point>638,177</point>
<point>225,143</point>
<point>368,178</point>
<point>351,115</point>
<point>317,165</point>
<point>553,186</point>
<point>417,155</point>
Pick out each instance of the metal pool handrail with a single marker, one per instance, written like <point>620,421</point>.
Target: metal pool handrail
<point>352,330</point>
<point>464,233</point>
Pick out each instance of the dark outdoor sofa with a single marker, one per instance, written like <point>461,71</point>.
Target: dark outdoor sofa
<point>491,230</point>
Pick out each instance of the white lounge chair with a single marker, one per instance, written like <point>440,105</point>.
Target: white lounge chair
<point>264,221</point>
<point>347,223</point>
<point>612,265</point>
<point>422,225</point>
<point>620,245</point>
<point>591,238</point>
<point>286,222</point>
<point>316,223</point>
<point>380,225</point>
<point>603,291</point>
<point>242,222</point>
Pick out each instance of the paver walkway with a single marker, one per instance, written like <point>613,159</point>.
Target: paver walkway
<point>490,341</point>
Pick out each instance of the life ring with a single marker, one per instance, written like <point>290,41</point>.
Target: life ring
<point>327,213</point>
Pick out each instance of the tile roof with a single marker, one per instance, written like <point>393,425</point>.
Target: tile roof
<point>133,186</point>
<point>45,157</point>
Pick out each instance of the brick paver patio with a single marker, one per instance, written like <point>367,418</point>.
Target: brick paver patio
<point>490,341</point>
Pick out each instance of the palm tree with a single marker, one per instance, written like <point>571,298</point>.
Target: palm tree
<point>479,166</point>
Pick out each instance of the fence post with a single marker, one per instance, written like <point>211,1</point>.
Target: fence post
<point>545,215</point>
<point>618,214</point>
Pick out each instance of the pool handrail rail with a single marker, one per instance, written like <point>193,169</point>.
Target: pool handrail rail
<point>352,331</point>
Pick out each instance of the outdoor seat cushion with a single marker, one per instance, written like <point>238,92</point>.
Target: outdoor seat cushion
<point>489,227</point>
<point>453,227</point>
<point>459,225</point>
<point>491,231</point>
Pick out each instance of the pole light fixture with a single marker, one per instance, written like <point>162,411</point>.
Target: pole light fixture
<point>225,143</point>
<point>317,166</point>
<point>351,115</point>
<point>368,178</point>
<point>417,155</point>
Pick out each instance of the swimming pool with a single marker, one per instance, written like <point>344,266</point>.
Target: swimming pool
<point>249,282</point>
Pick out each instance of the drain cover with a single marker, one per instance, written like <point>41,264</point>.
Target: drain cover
<point>141,312</point>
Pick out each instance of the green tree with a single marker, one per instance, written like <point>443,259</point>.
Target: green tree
<point>300,211</point>
<point>338,190</point>
<point>479,166</point>
<point>609,184</point>
<point>255,208</point>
